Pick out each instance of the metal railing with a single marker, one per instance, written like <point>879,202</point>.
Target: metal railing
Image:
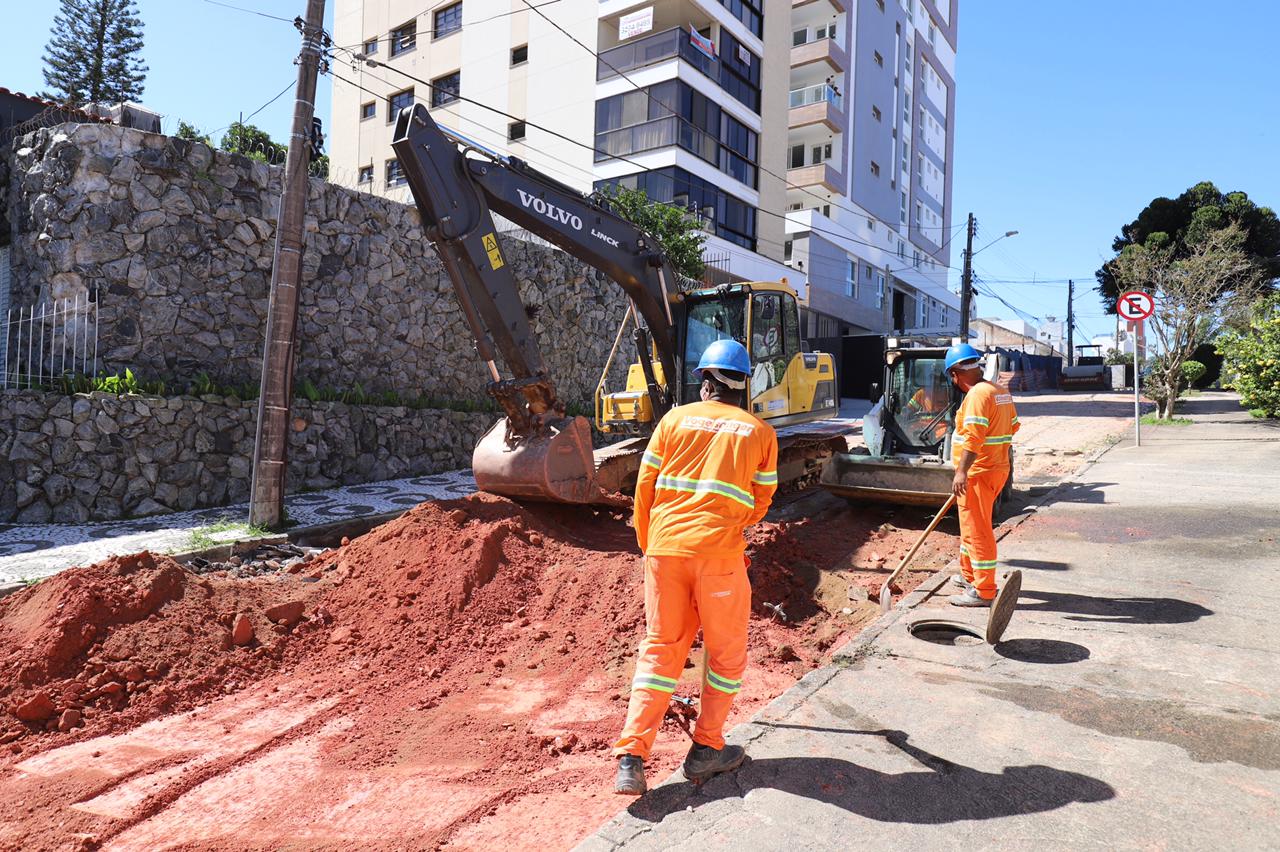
<point>816,95</point>
<point>50,340</point>
<point>652,49</point>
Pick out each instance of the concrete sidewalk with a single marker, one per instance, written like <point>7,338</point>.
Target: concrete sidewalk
<point>1134,704</point>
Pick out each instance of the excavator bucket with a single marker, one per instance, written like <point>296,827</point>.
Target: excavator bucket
<point>556,466</point>
<point>914,482</point>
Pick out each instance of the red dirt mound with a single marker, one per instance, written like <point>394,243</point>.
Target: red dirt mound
<point>129,638</point>
<point>475,651</point>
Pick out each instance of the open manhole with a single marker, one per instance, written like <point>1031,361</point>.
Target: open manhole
<point>941,632</point>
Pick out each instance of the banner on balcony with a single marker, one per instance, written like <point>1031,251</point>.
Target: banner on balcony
<point>706,45</point>
<point>634,24</point>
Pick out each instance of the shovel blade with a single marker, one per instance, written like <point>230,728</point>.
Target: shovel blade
<point>556,467</point>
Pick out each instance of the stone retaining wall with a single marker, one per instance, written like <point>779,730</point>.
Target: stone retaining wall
<point>69,459</point>
<point>176,240</point>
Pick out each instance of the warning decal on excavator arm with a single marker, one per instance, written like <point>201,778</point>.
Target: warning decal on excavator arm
<point>491,246</point>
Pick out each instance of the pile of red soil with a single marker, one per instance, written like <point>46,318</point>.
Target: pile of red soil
<point>475,640</point>
<point>110,645</point>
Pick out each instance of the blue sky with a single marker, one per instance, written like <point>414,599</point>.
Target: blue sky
<point>1071,116</point>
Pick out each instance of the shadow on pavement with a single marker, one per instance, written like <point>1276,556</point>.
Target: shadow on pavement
<point>1038,564</point>
<point>945,792</point>
<point>1112,610</point>
<point>1081,492</point>
<point>1042,651</point>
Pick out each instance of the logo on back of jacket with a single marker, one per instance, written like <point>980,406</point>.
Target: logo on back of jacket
<point>558,214</point>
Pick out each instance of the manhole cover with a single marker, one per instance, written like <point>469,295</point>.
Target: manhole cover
<point>945,632</point>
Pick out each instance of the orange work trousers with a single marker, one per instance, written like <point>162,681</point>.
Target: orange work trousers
<point>977,537</point>
<point>682,594</point>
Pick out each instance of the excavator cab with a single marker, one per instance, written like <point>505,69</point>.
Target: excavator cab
<point>787,385</point>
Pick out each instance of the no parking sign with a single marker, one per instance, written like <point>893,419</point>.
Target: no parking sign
<point>1136,306</point>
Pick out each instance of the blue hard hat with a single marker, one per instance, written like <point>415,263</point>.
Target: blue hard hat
<point>725,355</point>
<point>960,353</point>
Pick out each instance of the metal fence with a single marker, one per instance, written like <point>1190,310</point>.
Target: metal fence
<point>48,341</point>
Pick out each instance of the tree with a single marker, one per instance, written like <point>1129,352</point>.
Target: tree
<point>252,142</point>
<point>192,133</point>
<point>1195,292</point>
<point>1252,359</point>
<point>94,53</point>
<point>1180,223</point>
<point>677,231</point>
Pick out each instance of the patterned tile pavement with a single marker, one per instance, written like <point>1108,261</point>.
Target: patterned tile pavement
<point>34,551</point>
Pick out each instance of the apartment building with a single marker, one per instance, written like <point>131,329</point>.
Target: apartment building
<point>812,137</point>
<point>869,163</point>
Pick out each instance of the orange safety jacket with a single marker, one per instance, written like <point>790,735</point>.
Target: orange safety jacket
<point>709,472</point>
<point>985,425</point>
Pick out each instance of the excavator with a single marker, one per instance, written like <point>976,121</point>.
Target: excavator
<point>538,452</point>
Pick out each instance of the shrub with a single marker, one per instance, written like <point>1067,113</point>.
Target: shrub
<point>1251,362</point>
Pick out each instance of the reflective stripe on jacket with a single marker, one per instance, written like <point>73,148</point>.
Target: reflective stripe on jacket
<point>709,472</point>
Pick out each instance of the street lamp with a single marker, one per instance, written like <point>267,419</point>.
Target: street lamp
<point>997,239</point>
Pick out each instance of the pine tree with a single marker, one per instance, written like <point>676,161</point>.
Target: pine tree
<point>94,52</point>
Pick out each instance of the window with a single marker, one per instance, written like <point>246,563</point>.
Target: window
<point>880,3</point>
<point>368,110</point>
<point>851,281</point>
<point>448,20</point>
<point>515,131</point>
<point>821,153</point>
<point>799,37</point>
<point>866,272</point>
<point>875,168</point>
<point>404,38</point>
<point>739,71</point>
<point>878,58</point>
<point>366,174</point>
<point>797,157</point>
<point>795,205</point>
<point>915,260</point>
<point>519,55</point>
<point>933,34</point>
<point>444,90</point>
<point>786,251</point>
<point>902,250</point>
<point>395,173</point>
<point>902,209</point>
<point>871,224</point>
<point>875,113</point>
<point>397,102</point>
<point>370,48</point>
<point>749,12</point>
<point>724,214</point>
<point>880,290</point>
<point>919,213</point>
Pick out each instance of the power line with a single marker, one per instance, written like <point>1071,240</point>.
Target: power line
<point>461,26</point>
<point>250,11</point>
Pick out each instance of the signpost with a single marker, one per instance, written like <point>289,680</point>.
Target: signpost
<point>1136,306</point>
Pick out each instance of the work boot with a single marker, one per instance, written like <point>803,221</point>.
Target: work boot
<point>630,778</point>
<point>959,580</point>
<point>969,597</point>
<point>703,761</point>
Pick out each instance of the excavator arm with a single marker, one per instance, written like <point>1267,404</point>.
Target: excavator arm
<point>536,451</point>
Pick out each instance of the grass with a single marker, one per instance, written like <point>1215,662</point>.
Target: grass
<point>1154,420</point>
<point>202,537</point>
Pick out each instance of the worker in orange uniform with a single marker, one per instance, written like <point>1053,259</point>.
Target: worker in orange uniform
<point>709,472</point>
<point>985,426</point>
<point>929,402</point>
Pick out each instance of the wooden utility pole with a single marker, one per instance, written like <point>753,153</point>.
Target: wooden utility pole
<point>270,449</point>
<point>966,280</point>
<point>1071,322</point>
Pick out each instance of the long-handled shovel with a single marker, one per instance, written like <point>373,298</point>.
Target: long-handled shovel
<point>886,596</point>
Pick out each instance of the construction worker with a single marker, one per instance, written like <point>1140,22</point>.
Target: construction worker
<point>985,426</point>
<point>930,401</point>
<point>709,472</point>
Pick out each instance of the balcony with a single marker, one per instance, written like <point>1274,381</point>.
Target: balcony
<point>821,175</point>
<point>659,133</point>
<point>822,50</point>
<point>652,50</point>
<point>820,104</point>
<point>837,5</point>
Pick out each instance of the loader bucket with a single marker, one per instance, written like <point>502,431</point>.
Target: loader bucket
<point>915,482</point>
<point>556,466</point>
